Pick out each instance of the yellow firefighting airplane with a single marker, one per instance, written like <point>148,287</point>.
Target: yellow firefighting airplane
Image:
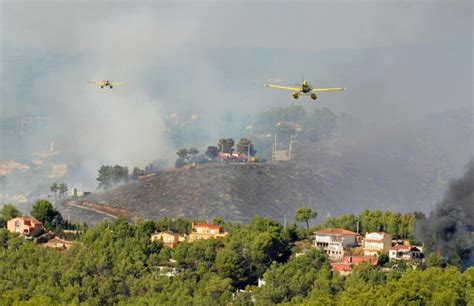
<point>305,89</point>
<point>107,83</point>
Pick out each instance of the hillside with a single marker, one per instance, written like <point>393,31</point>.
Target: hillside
<point>405,169</point>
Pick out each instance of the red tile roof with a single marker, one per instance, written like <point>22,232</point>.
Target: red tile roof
<point>356,259</point>
<point>206,225</point>
<point>336,231</point>
<point>31,219</point>
<point>403,247</point>
<point>380,233</point>
<point>28,220</point>
<point>341,266</point>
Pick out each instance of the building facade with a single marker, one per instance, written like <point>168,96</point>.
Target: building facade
<point>405,252</point>
<point>376,243</point>
<point>27,226</point>
<point>334,240</point>
<point>169,239</point>
<point>202,231</point>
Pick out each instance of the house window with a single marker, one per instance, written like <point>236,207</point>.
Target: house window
<point>17,226</point>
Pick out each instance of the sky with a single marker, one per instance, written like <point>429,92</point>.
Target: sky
<point>399,60</point>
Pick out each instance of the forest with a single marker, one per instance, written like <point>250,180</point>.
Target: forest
<point>117,263</point>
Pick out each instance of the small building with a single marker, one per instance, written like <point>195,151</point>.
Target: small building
<point>357,259</point>
<point>281,155</point>
<point>334,240</point>
<point>27,226</point>
<point>169,239</point>
<point>76,193</point>
<point>206,231</point>
<point>342,268</point>
<point>349,261</point>
<point>234,156</point>
<point>58,243</point>
<point>376,243</point>
<point>405,252</point>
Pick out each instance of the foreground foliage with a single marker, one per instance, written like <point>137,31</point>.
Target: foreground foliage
<point>116,263</point>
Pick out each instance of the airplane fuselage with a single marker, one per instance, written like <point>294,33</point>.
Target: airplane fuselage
<point>305,87</point>
<point>105,83</point>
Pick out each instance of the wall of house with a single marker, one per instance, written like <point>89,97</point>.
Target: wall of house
<point>31,230</point>
<point>377,242</point>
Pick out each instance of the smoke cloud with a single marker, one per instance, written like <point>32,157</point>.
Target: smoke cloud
<point>213,58</point>
<point>449,227</point>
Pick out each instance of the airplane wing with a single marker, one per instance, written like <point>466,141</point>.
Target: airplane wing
<point>328,89</point>
<point>117,83</point>
<point>97,83</point>
<point>283,87</point>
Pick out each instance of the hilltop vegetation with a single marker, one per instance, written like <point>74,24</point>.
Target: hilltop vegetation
<point>117,263</point>
<point>405,169</point>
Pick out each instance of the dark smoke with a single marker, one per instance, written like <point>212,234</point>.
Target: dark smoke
<point>449,227</point>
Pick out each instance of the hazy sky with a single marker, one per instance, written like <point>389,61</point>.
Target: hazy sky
<point>69,26</point>
<point>398,59</point>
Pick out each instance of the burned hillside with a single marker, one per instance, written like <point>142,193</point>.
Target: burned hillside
<point>337,175</point>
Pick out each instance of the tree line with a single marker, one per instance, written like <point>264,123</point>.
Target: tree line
<point>117,263</point>
<point>224,145</point>
<point>109,176</point>
<point>399,225</point>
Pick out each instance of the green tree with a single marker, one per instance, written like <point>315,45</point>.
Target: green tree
<point>183,154</point>
<point>468,276</point>
<point>296,278</point>
<point>217,221</point>
<point>212,152</point>
<point>244,146</point>
<point>105,177</point>
<point>434,260</point>
<point>226,145</point>
<point>119,174</point>
<point>193,151</point>
<point>391,221</point>
<point>213,290</point>
<point>304,214</point>
<point>182,225</point>
<point>382,259</point>
<point>136,173</point>
<point>44,212</point>
<point>111,175</point>
<point>9,211</point>
<point>371,220</point>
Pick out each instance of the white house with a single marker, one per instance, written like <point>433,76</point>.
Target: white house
<point>404,252</point>
<point>377,242</point>
<point>334,240</point>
